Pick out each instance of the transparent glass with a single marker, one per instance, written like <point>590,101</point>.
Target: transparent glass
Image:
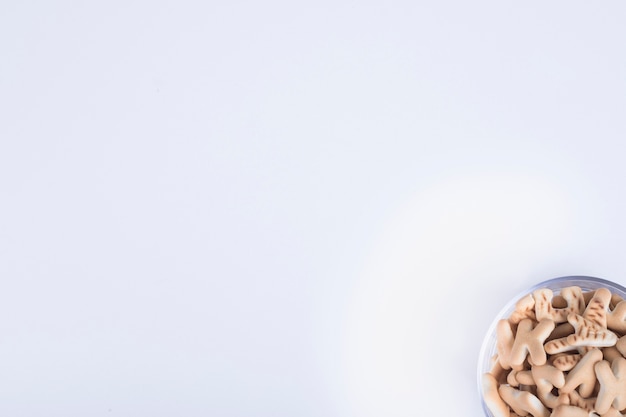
<point>488,349</point>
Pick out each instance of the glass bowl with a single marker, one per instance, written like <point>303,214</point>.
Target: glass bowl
<point>489,349</point>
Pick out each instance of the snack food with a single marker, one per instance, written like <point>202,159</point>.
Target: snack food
<point>558,350</point>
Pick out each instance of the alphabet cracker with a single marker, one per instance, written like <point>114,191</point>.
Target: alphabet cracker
<point>587,333</point>
<point>524,309</point>
<point>583,375</point>
<point>612,385</point>
<point>529,341</point>
<point>492,398</point>
<point>544,308</point>
<point>547,378</point>
<point>504,344</point>
<point>598,306</point>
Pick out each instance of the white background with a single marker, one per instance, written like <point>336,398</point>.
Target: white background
<point>230,208</point>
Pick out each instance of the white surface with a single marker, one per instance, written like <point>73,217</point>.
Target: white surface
<point>280,209</point>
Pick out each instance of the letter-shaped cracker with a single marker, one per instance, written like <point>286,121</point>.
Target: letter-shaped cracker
<point>569,411</point>
<point>587,333</point>
<point>524,309</point>
<point>504,342</point>
<point>612,385</point>
<point>598,306</point>
<point>616,319</point>
<point>545,310</point>
<point>523,402</point>
<point>583,374</point>
<point>546,378</point>
<point>492,398</point>
<point>529,341</point>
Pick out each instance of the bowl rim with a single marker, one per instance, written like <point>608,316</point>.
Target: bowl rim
<point>551,283</point>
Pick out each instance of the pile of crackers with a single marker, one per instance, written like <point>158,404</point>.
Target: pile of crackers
<point>560,355</point>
